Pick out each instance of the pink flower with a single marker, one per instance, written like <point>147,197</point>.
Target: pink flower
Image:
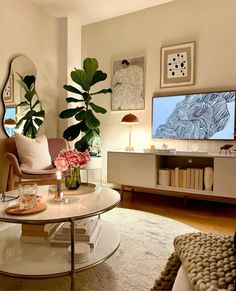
<point>71,158</point>
<point>61,163</point>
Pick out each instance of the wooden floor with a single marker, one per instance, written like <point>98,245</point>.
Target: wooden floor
<point>202,215</point>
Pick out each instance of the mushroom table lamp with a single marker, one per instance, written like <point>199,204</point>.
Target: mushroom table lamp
<point>130,120</point>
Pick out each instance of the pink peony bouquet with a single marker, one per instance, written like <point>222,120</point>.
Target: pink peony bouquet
<point>71,158</point>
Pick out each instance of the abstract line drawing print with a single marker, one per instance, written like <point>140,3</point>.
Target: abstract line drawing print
<point>128,84</point>
<point>177,65</point>
<point>198,116</point>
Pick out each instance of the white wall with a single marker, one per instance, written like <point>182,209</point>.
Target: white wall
<point>210,23</point>
<point>26,29</point>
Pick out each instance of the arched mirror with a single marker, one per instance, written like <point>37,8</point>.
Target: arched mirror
<point>23,112</point>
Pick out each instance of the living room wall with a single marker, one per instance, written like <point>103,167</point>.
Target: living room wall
<point>28,30</point>
<point>210,23</point>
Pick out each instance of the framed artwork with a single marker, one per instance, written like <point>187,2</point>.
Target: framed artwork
<point>8,92</point>
<point>177,65</point>
<point>128,84</point>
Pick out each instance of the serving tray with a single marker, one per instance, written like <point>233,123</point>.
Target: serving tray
<point>16,210</point>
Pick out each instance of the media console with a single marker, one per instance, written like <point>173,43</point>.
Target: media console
<point>141,170</point>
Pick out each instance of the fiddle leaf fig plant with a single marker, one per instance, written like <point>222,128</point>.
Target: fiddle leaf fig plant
<point>31,114</point>
<point>84,110</point>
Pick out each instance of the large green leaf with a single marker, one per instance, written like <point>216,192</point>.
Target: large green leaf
<point>29,94</point>
<point>72,132</point>
<point>23,103</point>
<point>82,144</point>
<point>98,77</point>
<point>36,103</point>
<point>87,97</point>
<point>40,113</point>
<point>97,108</point>
<point>83,126</point>
<point>90,67</point>
<point>91,121</point>
<point>67,113</point>
<point>38,121</point>
<point>72,89</point>
<point>80,78</point>
<point>72,99</point>
<point>22,83</point>
<point>81,115</point>
<point>103,91</point>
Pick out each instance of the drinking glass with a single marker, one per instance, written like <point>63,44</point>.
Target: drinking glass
<point>27,195</point>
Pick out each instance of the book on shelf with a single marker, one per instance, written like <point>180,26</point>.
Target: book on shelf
<point>38,230</point>
<point>172,177</point>
<point>181,178</point>
<point>200,179</point>
<point>192,178</point>
<point>176,177</point>
<point>93,241</point>
<point>184,178</point>
<point>196,178</point>
<point>188,178</point>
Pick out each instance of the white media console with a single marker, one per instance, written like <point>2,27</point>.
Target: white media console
<point>141,170</point>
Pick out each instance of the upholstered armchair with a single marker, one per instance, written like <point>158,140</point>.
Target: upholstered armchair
<point>44,176</point>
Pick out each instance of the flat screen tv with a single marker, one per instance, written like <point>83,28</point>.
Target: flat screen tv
<point>194,116</point>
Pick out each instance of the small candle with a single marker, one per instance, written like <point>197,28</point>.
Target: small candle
<point>58,181</point>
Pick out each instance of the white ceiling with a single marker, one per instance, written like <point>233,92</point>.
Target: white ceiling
<point>89,11</point>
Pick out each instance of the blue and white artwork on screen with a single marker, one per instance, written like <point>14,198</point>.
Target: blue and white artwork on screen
<point>194,116</point>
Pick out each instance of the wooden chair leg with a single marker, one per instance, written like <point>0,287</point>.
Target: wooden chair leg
<point>10,178</point>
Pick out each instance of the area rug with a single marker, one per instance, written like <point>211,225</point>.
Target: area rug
<point>146,244</point>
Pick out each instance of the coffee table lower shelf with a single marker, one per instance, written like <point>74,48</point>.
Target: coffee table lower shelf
<point>43,260</point>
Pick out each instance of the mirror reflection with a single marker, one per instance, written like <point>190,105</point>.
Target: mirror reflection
<point>23,111</point>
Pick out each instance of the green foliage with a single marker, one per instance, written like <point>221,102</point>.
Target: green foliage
<point>31,113</point>
<point>88,123</point>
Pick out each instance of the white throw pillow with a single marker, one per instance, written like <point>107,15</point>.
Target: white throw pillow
<point>33,153</point>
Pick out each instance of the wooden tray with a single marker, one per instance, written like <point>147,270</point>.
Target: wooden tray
<point>15,209</point>
<point>84,188</point>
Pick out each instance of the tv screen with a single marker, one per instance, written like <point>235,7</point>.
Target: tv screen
<point>194,116</point>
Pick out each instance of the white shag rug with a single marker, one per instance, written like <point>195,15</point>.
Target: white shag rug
<point>146,244</point>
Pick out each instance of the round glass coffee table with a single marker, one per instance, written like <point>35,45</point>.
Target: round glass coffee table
<point>43,260</point>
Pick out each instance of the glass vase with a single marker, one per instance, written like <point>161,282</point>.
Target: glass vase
<point>72,179</point>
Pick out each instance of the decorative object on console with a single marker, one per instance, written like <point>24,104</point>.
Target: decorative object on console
<point>87,121</point>
<point>59,195</point>
<point>128,84</point>
<point>71,161</point>
<point>208,178</point>
<point>130,120</point>
<point>196,116</point>
<point>177,65</point>
<point>226,148</point>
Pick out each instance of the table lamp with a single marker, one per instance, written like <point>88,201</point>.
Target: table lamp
<point>130,120</point>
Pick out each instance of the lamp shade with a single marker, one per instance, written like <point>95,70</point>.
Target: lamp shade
<point>130,119</point>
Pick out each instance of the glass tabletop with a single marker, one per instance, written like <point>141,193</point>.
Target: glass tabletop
<point>76,206</point>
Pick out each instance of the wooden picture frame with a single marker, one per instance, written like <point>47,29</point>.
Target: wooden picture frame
<point>177,65</point>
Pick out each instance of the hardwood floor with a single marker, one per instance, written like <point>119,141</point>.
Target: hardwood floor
<point>202,215</point>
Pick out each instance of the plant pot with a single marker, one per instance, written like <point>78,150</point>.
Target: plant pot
<point>72,179</point>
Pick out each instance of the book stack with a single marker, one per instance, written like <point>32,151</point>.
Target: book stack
<point>188,178</point>
<point>37,233</point>
<point>86,230</point>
